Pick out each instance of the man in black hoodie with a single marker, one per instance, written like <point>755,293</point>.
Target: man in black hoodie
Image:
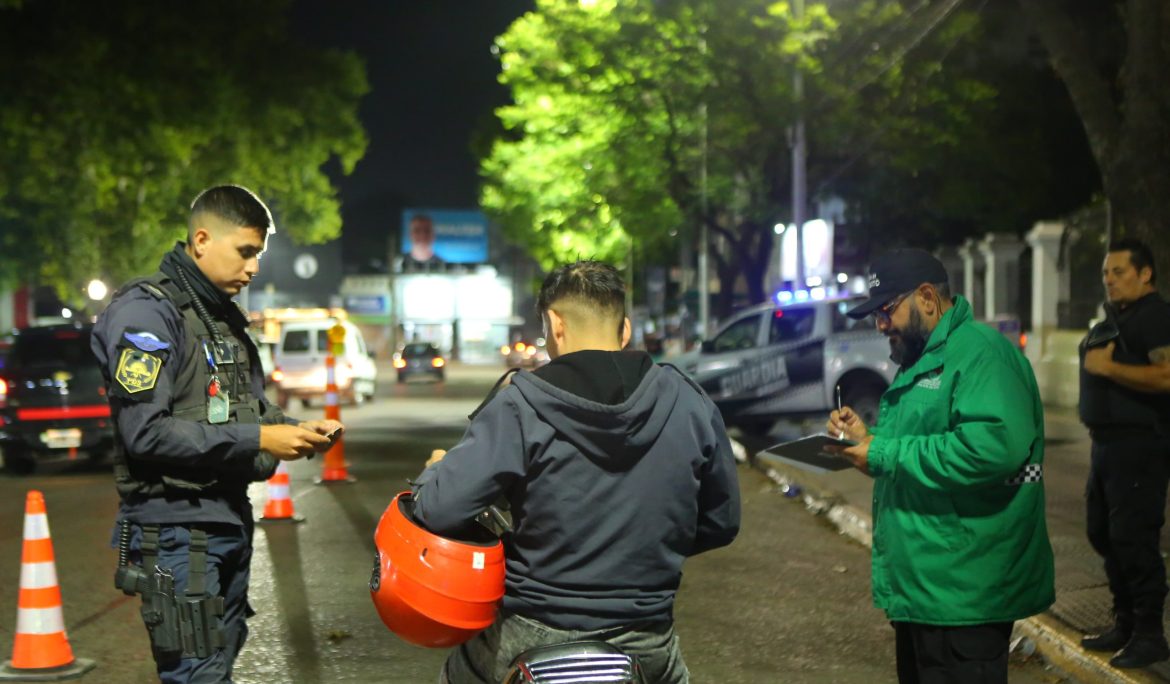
<point>615,470</point>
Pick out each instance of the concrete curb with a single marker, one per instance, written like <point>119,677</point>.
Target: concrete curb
<point>1053,640</point>
<point>1060,646</point>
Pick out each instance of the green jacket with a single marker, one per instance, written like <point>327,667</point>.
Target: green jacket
<point>959,531</point>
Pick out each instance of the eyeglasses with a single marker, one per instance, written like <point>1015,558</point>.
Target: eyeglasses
<point>885,311</point>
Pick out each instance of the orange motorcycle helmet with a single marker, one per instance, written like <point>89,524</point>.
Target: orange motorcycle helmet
<point>434,591</point>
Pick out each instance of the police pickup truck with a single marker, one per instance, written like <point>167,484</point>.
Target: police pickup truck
<point>771,361</point>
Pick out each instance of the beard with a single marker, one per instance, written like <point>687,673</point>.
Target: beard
<point>908,344</point>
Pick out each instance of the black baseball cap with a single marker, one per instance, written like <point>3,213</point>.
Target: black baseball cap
<point>897,272</point>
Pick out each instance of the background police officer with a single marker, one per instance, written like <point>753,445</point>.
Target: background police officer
<point>1125,403</point>
<point>187,393</point>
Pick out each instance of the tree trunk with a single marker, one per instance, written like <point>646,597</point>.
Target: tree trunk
<point>1124,106</point>
<point>728,275</point>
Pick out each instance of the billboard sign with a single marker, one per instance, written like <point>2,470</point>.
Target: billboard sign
<point>438,236</point>
<point>367,305</point>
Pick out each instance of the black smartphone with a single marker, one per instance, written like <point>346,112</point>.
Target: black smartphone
<point>334,433</point>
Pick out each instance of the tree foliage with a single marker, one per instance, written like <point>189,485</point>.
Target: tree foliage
<point>116,114</point>
<point>635,118</point>
<point>621,105</point>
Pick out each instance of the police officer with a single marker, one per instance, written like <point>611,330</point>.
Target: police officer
<point>187,394</point>
<point>1125,403</point>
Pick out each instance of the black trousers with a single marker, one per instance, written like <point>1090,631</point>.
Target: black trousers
<point>1126,507</point>
<point>972,654</point>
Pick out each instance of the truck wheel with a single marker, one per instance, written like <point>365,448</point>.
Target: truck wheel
<point>864,398</point>
<point>17,461</point>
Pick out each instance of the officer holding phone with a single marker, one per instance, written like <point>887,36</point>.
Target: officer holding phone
<point>1125,403</point>
<point>194,429</point>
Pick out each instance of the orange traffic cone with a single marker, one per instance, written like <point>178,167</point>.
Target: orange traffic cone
<point>40,651</point>
<point>335,469</point>
<point>280,506</point>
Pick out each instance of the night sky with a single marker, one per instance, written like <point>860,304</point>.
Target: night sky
<point>432,85</point>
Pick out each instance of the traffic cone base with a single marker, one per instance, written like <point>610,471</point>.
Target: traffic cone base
<point>279,507</point>
<point>48,674</point>
<point>40,649</point>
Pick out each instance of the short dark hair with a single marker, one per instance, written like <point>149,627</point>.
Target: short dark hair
<point>422,218</point>
<point>1140,255</point>
<point>234,204</point>
<point>596,287</point>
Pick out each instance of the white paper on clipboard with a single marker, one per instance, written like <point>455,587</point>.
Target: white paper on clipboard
<point>808,453</point>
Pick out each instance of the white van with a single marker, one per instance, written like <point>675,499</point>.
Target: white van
<point>299,363</point>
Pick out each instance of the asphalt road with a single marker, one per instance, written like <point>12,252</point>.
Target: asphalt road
<point>787,602</point>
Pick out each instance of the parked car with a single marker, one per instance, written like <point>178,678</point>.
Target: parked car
<point>299,363</point>
<point>420,359</point>
<point>53,403</point>
<point>772,361</point>
<point>525,354</point>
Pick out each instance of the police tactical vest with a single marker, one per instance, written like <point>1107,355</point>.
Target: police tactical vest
<point>137,477</point>
<point>1107,405</point>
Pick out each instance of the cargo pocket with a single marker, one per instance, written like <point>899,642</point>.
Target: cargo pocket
<point>979,643</point>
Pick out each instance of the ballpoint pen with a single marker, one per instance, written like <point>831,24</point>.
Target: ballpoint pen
<point>839,416</point>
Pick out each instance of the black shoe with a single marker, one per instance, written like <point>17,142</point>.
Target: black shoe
<point>1110,641</point>
<point>1142,650</point>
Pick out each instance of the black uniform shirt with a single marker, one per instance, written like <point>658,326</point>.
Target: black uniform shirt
<point>1106,405</point>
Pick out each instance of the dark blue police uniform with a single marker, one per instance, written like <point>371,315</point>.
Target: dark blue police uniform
<point>186,390</point>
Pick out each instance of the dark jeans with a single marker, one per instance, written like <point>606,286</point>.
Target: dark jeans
<point>229,557</point>
<point>972,654</point>
<point>485,659</point>
<point>1125,504</point>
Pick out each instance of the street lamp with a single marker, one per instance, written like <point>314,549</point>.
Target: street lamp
<point>96,290</point>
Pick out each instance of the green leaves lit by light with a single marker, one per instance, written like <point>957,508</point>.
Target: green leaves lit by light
<point>109,136</point>
<point>619,106</point>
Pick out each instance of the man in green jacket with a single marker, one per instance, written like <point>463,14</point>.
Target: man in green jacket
<point>960,545</point>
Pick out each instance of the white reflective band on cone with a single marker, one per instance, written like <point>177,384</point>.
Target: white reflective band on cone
<point>36,526</point>
<point>39,621</point>
<point>331,398</point>
<point>38,575</point>
<point>277,491</point>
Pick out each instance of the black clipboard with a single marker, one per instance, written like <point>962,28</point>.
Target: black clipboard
<point>808,453</point>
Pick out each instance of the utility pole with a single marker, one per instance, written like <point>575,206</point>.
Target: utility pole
<point>704,272</point>
<point>799,158</point>
<point>629,303</point>
<point>704,275</point>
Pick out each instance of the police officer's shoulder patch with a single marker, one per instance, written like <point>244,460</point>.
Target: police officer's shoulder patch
<point>144,340</point>
<point>137,370</point>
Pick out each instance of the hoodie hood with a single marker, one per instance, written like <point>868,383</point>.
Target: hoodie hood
<point>612,435</point>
